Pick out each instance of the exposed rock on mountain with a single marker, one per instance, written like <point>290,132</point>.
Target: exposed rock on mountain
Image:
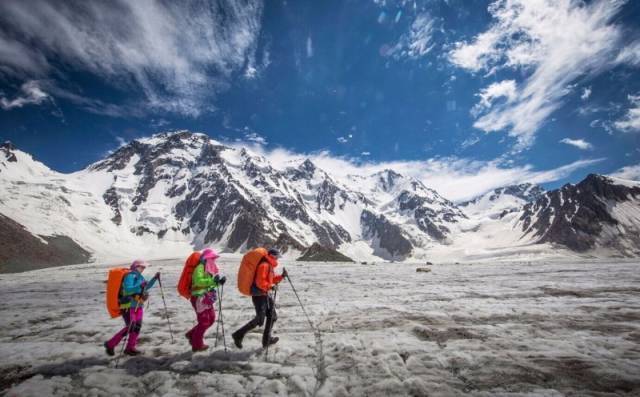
<point>387,239</point>
<point>597,212</point>
<point>318,253</point>
<point>21,251</point>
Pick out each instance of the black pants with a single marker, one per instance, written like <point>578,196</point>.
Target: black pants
<point>265,309</point>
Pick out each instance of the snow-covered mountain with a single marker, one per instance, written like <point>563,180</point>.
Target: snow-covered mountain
<point>498,202</point>
<point>599,212</point>
<point>181,189</point>
<point>164,195</point>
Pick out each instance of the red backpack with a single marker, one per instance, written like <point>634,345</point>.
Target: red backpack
<point>184,284</point>
<point>247,271</point>
<point>114,282</point>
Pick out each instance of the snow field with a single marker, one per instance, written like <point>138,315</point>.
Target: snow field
<point>510,329</point>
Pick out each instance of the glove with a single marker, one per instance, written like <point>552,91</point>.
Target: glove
<point>220,279</point>
<point>284,273</point>
<point>157,276</point>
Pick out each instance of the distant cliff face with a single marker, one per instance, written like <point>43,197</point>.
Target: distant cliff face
<point>599,211</point>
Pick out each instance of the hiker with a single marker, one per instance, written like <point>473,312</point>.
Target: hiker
<point>131,298</point>
<point>264,279</point>
<point>205,279</point>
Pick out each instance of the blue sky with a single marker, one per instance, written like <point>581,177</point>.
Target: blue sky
<point>466,95</point>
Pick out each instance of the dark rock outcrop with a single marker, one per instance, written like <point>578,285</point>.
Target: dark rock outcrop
<point>575,215</point>
<point>319,253</point>
<point>7,149</point>
<point>388,239</point>
<point>21,251</point>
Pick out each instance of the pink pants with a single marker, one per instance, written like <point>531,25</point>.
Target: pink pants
<point>206,317</point>
<point>133,321</point>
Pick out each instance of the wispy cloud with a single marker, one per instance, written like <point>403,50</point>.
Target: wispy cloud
<point>472,140</point>
<point>629,172</point>
<point>255,138</point>
<point>553,43</point>
<point>457,179</point>
<point>418,41</point>
<point>309,47</point>
<point>630,54</point>
<point>30,94</point>
<point>178,57</point>
<point>488,96</point>
<point>579,143</point>
<point>586,93</point>
<point>630,122</point>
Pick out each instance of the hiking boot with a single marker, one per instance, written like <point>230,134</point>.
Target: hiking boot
<point>132,352</point>
<point>199,349</point>
<point>237,340</point>
<point>109,350</point>
<point>272,341</point>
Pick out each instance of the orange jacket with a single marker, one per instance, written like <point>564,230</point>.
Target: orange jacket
<point>265,276</point>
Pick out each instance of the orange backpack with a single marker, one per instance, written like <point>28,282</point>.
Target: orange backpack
<point>184,284</point>
<point>247,271</point>
<point>114,282</point>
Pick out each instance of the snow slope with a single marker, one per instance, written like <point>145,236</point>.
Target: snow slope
<point>512,329</point>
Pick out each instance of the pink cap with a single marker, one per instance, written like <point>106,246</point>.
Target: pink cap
<point>208,253</point>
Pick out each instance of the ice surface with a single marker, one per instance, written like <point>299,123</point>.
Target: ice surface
<point>509,329</point>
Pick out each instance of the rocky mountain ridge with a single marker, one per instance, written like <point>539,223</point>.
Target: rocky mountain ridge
<point>184,189</point>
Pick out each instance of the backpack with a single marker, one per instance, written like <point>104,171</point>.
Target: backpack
<point>114,283</point>
<point>247,271</point>
<point>184,284</point>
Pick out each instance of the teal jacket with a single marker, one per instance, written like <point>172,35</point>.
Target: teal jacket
<point>133,286</point>
<point>202,282</point>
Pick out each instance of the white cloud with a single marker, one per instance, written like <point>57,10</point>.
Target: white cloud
<point>586,93</point>
<point>579,143</point>
<point>178,57</point>
<point>255,138</point>
<point>503,89</point>
<point>121,141</point>
<point>470,142</point>
<point>630,122</point>
<point>365,154</point>
<point>629,172</point>
<point>309,47</point>
<point>553,43</point>
<point>32,94</point>
<point>418,41</point>
<point>342,139</point>
<point>457,179</point>
<point>630,54</point>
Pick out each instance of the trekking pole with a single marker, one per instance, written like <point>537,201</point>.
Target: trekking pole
<point>126,337</point>
<point>221,321</point>
<point>218,324</point>
<point>166,312</point>
<point>271,310</point>
<point>301,305</point>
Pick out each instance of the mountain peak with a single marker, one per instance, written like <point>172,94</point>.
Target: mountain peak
<point>7,149</point>
<point>387,178</point>
<point>308,166</point>
<point>8,145</point>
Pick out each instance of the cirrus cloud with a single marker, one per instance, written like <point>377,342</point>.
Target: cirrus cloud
<point>178,57</point>
<point>579,143</point>
<point>554,43</point>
